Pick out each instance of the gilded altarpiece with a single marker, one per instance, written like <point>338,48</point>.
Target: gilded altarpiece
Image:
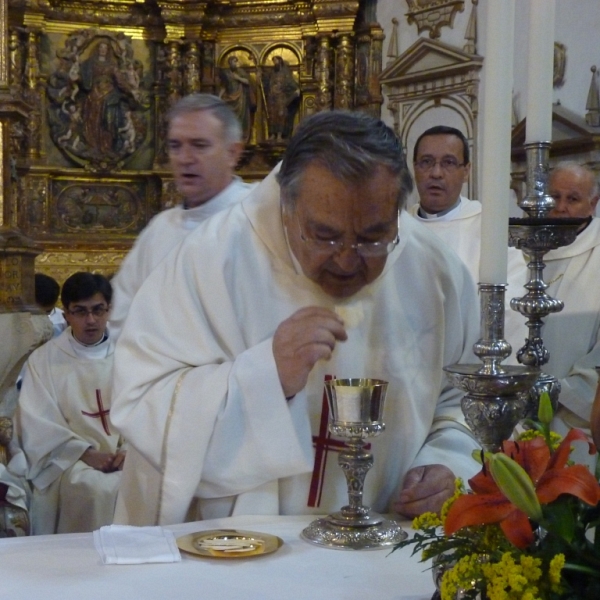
<point>88,159</point>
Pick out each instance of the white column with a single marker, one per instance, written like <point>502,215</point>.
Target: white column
<point>540,71</point>
<point>496,115</point>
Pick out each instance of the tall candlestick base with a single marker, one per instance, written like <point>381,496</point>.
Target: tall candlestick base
<point>535,236</point>
<point>496,396</point>
<point>356,408</point>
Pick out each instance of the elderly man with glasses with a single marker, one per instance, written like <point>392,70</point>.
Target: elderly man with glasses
<point>73,451</point>
<point>319,273</point>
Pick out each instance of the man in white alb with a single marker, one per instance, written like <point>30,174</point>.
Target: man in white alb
<point>318,273</point>
<point>442,165</point>
<point>63,420</point>
<point>573,276</point>
<point>204,145</point>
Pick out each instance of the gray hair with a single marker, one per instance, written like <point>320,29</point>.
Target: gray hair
<point>351,145</point>
<point>221,111</point>
<point>575,167</point>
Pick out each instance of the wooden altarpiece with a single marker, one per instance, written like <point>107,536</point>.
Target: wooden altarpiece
<point>86,164</point>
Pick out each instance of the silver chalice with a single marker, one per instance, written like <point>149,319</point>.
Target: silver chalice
<point>356,409</point>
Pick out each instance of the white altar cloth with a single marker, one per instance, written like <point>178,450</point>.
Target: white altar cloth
<point>67,567</point>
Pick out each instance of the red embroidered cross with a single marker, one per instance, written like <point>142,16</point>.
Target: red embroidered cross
<point>101,414</point>
<point>323,443</point>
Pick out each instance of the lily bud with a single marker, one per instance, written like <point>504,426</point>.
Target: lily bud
<point>515,484</point>
<point>545,412</point>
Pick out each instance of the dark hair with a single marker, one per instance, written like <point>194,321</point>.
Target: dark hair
<point>192,103</point>
<point>351,145</point>
<point>46,290</point>
<point>81,286</point>
<point>444,130</point>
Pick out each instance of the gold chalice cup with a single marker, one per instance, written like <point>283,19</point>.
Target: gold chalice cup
<point>356,413</point>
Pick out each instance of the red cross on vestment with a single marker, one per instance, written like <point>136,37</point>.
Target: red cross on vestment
<point>323,443</point>
<point>101,414</point>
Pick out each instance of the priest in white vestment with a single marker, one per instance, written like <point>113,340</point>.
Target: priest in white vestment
<point>572,274</point>
<point>442,165</point>
<point>63,416</point>
<point>219,370</point>
<point>204,146</point>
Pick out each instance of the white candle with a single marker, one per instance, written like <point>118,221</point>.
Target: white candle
<point>540,71</point>
<point>496,115</point>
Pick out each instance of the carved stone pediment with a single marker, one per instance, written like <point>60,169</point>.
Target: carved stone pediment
<point>428,59</point>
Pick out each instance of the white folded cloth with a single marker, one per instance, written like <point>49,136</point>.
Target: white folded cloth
<point>127,545</point>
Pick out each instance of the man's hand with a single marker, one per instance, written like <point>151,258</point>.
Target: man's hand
<point>309,335</point>
<point>118,461</point>
<point>101,461</point>
<point>425,489</point>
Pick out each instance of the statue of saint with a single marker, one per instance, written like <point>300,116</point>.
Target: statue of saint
<point>96,103</point>
<point>282,94</point>
<point>238,93</point>
<point>107,92</point>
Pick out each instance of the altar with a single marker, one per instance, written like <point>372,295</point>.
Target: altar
<point>68,567</point>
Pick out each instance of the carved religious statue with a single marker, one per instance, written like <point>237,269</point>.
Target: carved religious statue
<point>237,91</point>
<point>282,94</point>
<point>96,101</point>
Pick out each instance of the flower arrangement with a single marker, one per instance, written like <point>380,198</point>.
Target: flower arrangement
<point>526,530</point>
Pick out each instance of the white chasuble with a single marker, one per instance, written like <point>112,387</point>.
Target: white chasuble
<point>161,235</point>
<point>197,392</point>
<point>64,409</point>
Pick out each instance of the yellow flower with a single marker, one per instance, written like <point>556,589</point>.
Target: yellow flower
<point>459,490</point>
<point>531,567</point>
<point>529,434</point>
<point>460,576</point>
<point>555,572</point>
<point>509,580</point>
<point>426,520</point>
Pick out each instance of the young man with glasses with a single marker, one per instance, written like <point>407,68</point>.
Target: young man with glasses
<point>63,416</point>
<point>319,273</point>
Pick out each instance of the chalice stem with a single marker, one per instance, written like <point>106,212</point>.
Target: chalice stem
<point>355,463</point>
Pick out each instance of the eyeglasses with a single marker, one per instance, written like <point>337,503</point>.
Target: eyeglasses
<point>364,249</point>
<point>82,313</point>
<point>448,164</point>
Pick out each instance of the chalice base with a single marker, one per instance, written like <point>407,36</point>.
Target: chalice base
<point>337,533</point>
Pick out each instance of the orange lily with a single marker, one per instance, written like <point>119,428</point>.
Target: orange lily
<point>550,475</point>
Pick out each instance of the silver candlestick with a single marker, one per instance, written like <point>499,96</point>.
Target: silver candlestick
<point>356,409</point>
<point>535,235</point>
<point>496,395</point>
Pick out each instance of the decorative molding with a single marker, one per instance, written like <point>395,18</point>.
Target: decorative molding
<point>592,116</point>
<point>432,15</point>
<point>471,33</point>
<point>560,64</point>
